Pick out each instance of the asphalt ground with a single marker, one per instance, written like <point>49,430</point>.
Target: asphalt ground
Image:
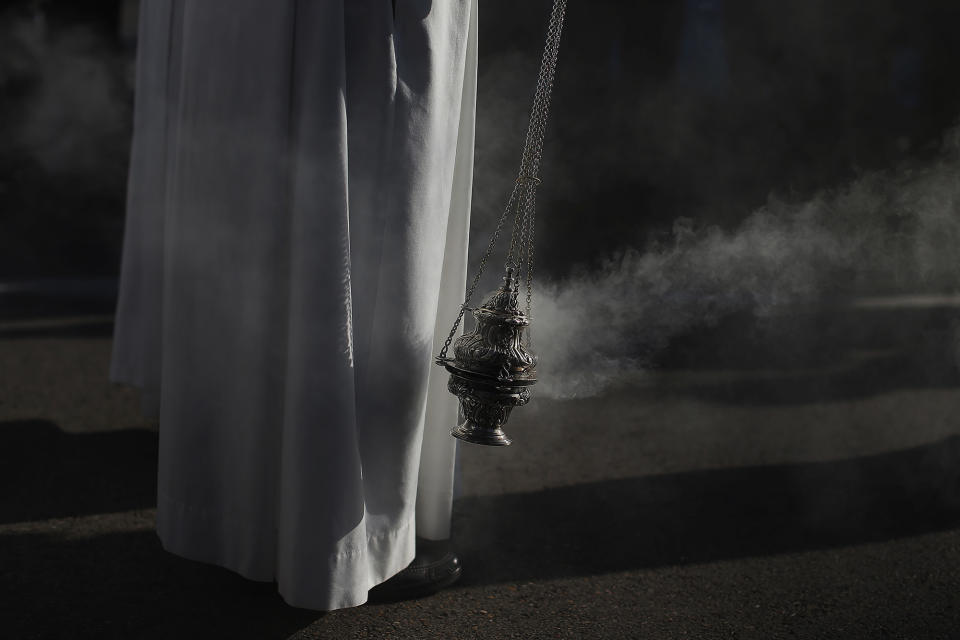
<point>796,478</point>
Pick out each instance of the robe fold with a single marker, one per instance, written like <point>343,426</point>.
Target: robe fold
<point>294,254</point>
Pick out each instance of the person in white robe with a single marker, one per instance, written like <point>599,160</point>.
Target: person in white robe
<point>294,255</point>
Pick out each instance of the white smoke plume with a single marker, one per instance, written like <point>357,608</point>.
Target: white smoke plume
<point>896,230</point>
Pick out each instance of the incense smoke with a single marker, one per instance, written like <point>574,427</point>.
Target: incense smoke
<point>65,126</point>
<point>68,97</point>
<point>892,230</point>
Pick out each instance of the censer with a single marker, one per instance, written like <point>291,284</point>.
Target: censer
<point>492,367</point>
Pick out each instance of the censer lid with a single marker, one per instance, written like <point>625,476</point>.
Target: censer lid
<point>503,304</point>
<point>494,350</point>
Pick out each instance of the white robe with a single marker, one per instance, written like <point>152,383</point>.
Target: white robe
<point>295,252</point>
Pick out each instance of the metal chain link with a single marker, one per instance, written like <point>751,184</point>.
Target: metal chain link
<point>533,149</point>
<point>516,228</point>
<point>533,146</point>
<point>528,335</point>
<point>476,278</point>
<point>536,131</point>
<point>520,227</point>
<point>523,195</point>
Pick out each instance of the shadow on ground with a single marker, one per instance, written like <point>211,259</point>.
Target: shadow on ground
<point>68,299</point>
<point>75,328</point>
<point>98,569</point>
<point>77,313</point>
<point>861,378</point>
<point>815,335</point>
<point>709,515</point>
<point>55,474</point>
<point>107,576</point>
<point>123,585</point>
<point>824,355</point>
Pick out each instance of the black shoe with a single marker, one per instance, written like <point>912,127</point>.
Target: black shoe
<point>435,567</point>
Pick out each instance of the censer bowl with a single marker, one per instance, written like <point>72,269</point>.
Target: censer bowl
<point>486,403</point>
<point>492,370</point>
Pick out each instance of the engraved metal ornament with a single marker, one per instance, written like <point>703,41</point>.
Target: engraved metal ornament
<point>492,370</point>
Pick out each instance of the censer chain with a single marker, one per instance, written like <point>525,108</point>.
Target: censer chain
<point>476,279</point>
<point>523,194</point>
<point>536,130</point>
<point>532,154</point>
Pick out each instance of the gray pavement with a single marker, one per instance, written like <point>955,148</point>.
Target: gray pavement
<point>799,479</point>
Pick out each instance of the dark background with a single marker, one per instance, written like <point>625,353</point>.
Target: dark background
<point>663,109</point>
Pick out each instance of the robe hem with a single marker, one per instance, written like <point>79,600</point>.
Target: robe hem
<point>193,532</point>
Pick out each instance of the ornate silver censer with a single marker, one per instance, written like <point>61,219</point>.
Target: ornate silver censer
<point>491,370</point>
<point>492,366</point>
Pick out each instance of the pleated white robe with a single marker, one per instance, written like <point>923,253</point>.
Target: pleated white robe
<point>295,250</point>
